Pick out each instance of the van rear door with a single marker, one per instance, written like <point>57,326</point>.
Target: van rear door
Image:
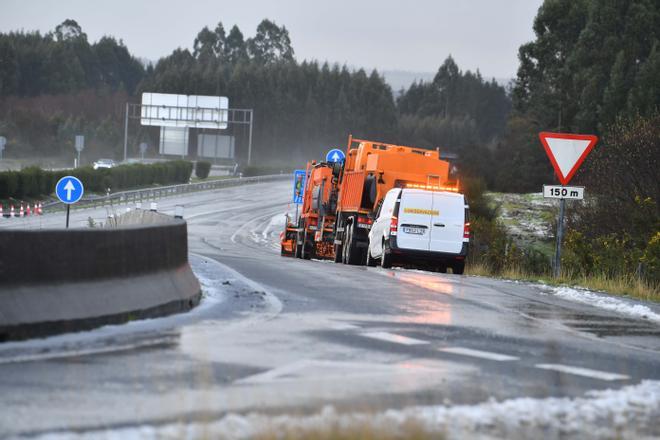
<point>447,223</point>
<point>414,223</point>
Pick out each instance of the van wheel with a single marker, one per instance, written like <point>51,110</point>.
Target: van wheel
<point>386,258</point>
<point>458,267</point>
<point>371,262</point>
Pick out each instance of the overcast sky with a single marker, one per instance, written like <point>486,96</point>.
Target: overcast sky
<point>387,35</point>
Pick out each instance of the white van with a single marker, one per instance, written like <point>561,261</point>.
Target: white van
<point>421,228</point>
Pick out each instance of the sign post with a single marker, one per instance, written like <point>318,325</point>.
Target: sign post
<point>80,145</point>
<point>69,190</point>
<point>566,153</point>
<point>299,177</point>
<point>3,142</point>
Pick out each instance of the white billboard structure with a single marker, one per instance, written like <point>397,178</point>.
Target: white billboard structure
<point>173,140</point>
<point>215,146</point>
<point>165,110</point>
<point>175,114</point>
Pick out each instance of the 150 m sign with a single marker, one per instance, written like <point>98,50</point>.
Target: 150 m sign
<point>563,192</point>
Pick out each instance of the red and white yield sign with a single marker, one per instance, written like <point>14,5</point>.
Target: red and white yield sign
<point>567,152</point>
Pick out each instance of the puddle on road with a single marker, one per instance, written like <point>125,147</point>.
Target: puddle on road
<point>599,325</point>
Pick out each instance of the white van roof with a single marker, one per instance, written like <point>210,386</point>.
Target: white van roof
<point>422,191</point>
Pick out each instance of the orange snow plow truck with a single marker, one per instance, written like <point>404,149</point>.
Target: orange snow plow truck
<point>341,198</point>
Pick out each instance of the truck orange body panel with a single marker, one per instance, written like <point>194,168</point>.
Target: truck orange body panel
<point>390,165</point>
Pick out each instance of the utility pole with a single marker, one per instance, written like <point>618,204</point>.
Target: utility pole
<point>126,133</point>
<point>249,158</point>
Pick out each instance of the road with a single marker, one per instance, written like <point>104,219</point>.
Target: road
<point>278,336</point>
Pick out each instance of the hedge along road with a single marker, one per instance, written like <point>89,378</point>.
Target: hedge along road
<point>281,335</point>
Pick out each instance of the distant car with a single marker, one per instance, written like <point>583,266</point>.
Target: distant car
<point>104,163</point>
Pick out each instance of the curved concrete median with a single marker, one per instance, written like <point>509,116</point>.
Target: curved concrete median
<point>54,281</point>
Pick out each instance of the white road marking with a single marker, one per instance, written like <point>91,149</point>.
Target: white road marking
<point>479,354</point>
<point>343,326</point>
<point>391,337</point>
<point>579,371</point>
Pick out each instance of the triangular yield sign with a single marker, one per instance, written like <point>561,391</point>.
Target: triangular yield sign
<point>567,152</point>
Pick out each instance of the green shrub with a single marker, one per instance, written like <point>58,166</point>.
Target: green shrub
<point>651,259</point>
<point>35,182</point>
<point>202,169</point>
<point>8,184</point>
<point>29,182</point>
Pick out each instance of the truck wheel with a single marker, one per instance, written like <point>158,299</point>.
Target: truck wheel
<point>386,258</point>
<point>371,262</point>
<point>307,248</point>
<point>458,267</point>
<point>338,253</point>
<point>353,254</point>
<point>297,253</point>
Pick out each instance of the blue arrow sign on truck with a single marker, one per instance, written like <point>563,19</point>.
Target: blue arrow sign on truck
<point>335,155</point>
<point>69,190</point>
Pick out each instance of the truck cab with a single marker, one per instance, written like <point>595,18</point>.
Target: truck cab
<point>421,228</point>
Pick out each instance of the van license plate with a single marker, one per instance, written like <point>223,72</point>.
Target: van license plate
<point>413,230</point>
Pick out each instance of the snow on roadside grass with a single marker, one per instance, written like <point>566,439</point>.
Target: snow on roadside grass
<point>629,412</point>
<point>606,302</point>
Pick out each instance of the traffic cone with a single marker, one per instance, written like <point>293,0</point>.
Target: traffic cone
<point>39,209</point>
<point>11,212</point>
<point>21,212</point>
<point>27,211</point>
<point>1,213</point>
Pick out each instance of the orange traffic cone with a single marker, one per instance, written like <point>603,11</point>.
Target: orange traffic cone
<point>21,212</point>
<point>27,210</point>
<point>1,213</point>
<point>41,211</point>
<point>11,212</point>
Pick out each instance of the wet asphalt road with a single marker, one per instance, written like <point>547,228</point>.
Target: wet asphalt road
<point>281,335</point>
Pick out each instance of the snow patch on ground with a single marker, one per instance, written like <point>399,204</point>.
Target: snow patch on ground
<point>606,302</point>
<point>629,412</point>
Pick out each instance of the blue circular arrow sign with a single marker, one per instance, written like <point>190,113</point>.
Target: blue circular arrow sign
<point>335,155</point>
<point>69,189</point>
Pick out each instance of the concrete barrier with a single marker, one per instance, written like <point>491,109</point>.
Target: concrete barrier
<point>54,281</point>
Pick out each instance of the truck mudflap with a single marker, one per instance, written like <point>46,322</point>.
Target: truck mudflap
<point>289,240</point>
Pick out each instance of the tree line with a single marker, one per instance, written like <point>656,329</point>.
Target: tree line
<point>592,62</point>
<point>301,108</point>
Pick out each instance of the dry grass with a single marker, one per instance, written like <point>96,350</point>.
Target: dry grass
<point>621,285</point>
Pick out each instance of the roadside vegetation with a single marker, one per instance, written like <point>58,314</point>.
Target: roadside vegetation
<point>594,67</point>
<point>33,182</point>
<point>612,242</point>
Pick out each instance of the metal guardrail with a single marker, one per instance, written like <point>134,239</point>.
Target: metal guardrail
<point>151,194</point>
